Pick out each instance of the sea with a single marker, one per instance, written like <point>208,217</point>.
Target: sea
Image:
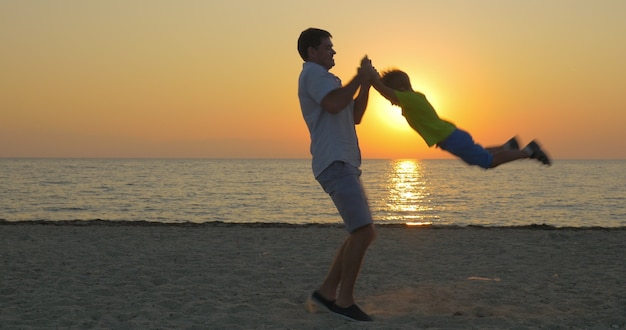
<point>570,193</point>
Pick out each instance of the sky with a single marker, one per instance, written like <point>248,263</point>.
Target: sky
<point>218,79</point>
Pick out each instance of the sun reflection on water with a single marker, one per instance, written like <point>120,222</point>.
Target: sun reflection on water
<point>408,194</point>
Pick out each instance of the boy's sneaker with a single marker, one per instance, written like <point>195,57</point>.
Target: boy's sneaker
<point>511,144</point>
<point>535,152</point>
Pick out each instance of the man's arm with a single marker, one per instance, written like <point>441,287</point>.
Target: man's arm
<point>338,99</point>
<point>360,103</point>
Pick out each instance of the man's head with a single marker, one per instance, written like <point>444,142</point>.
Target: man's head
<point>397,80</point>
<point>314,45</point>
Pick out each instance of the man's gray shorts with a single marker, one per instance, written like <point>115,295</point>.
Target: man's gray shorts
<point>342,182</point>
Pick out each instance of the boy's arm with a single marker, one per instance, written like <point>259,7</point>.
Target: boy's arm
<point>387,92</point>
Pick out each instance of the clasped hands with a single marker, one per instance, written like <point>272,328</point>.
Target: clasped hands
<point>366,71</point>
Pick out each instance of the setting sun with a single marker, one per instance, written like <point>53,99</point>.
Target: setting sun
<point>385,133</point>
<point>387,115</point>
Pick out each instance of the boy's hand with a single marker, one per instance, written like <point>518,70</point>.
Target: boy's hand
<point>366,61</point>
<point>368,71</point>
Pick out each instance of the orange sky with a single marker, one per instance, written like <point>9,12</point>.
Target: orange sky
<point>218,79</point>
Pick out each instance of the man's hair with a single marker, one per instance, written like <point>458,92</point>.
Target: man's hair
<point>311,37</point>
<point>396,79</point>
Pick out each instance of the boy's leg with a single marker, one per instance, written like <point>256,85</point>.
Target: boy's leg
<point>511,144</point>
<point>532,150</point>
<point>502,157</point>
<point>461,144</point>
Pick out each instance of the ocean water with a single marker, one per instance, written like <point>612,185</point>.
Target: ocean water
<point>571,193</point>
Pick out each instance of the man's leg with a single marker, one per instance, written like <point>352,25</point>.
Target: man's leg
<point>341,181</point>
<point>354,250</point>
<point>329,287</point>
<point>346,265</point>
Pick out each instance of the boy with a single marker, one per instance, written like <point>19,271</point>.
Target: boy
<point>395,86</point>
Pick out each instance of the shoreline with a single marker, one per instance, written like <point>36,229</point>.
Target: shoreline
<point>241,276</point>
<point>145,223</point>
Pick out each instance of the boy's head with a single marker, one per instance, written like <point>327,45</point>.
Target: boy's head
<point>397,80</point>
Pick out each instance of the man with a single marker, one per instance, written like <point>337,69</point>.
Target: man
<point>331,114</point>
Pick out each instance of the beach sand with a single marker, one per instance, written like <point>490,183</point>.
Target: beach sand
<point>220,276</point>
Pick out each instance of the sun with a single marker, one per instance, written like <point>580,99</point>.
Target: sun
<point>388,115</point>
<point>391,117</point>
<point>385,133</point>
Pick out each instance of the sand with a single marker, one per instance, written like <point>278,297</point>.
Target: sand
<point>258,277</point>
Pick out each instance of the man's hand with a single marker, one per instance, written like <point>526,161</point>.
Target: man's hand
<point>367,71</point>
<point>366,61</point>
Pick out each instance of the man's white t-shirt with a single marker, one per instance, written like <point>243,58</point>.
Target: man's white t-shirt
<point>333,136</point>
